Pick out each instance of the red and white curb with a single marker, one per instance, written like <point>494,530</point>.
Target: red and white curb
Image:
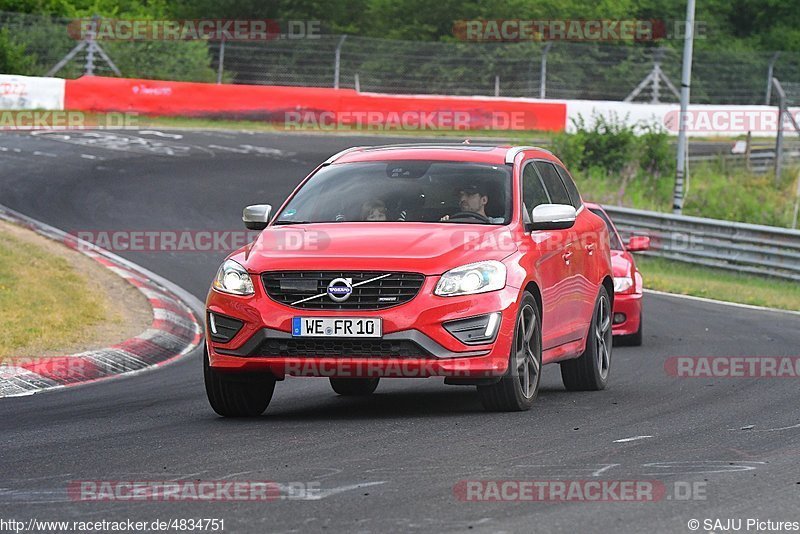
<point>175,331</point>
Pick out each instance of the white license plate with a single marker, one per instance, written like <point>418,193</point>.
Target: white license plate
<point>336,327</point>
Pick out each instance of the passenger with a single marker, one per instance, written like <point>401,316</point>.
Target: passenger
<point>374,210</point>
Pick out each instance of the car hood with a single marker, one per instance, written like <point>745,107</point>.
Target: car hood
<point>428,248</point>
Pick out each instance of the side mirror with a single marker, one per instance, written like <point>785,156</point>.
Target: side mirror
<point>638,243</point>
<point>553,217</point>
<point>256,217</point>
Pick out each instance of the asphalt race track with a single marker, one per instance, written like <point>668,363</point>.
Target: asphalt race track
<point>389,462</point>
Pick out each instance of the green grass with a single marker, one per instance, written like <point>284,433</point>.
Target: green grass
<point>719,284</point>
<point>44,303</point>
<point>535,137</point>
<point>716,191</point>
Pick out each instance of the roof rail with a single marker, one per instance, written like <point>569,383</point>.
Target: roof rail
<point>445,146</point>
<point>514,150</point>
<point>510,155</point>
<point>461,146</point>
<point>342,153</point>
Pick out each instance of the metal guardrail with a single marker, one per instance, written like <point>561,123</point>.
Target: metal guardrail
<point>741,247</point>
<point>761,159</point>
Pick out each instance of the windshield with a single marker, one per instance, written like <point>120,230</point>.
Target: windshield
<point>616,244</point>
<point>412,191</point>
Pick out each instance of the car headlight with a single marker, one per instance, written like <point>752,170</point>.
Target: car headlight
<point>479,277</point>
<point>622,283</point>
<point>233,278</point>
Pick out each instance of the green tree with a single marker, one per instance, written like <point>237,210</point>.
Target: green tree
<point>13,58</point>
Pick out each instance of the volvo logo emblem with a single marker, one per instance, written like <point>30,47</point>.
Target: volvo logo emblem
<point>340,289</point>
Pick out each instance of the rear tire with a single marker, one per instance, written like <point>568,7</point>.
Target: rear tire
<point>354,387</point>
<point>589,372</point>
<point>519,386</point>
<point>237,394</point>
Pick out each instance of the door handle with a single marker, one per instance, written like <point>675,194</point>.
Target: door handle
<point>567,256</point>
<point>590,247</point>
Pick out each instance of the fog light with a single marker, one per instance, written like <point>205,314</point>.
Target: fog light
<point>491,327</point>
<point>475,330</point>
<point>619,318</point>
<point>223,328</point>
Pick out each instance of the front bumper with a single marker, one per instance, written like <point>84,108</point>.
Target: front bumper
<point>265,343</point>
<point>627,307</point>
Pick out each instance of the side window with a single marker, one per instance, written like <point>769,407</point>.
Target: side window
<point>571,188</point>
<point>533,192</point>
<point>553,183</point>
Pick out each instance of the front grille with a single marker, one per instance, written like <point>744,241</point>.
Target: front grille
<point>339,348</point>
<point>288,287</point>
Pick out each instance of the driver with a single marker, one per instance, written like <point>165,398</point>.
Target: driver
<point>473,199</point>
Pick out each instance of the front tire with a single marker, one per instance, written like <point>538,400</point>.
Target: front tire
<point>354,387</point>
<point>237,395</point>
<point>519,386</point>
<point>589,372</point>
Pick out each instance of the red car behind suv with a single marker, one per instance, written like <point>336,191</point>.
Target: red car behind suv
<point>476,263</point>
<point>628,288</point>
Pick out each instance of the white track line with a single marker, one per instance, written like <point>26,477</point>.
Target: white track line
<point>722,302</point>
<point>634,438</point>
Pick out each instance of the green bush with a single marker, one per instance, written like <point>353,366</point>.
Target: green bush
<point>656,156</point>
<point>13,58</point>
<point>162,60</point>
<point>635,167</point>
<point>612,145</point>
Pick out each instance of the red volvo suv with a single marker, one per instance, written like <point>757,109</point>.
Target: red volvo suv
<point>474,263</point>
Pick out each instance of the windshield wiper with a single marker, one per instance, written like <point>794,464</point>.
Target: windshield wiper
<point>293,222</point>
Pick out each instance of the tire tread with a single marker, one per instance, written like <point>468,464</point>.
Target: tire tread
<point>502,396</point>
<point>246,397</point>
<point>581,374</point>
<point>354,387</point>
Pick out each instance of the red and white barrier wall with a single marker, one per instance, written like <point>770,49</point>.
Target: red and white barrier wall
<point>26,92</point>
<point>297,107</point>
<point>303,105</point>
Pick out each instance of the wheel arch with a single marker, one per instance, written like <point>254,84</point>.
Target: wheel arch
<point>608,283</point>
<point>533,288</point>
